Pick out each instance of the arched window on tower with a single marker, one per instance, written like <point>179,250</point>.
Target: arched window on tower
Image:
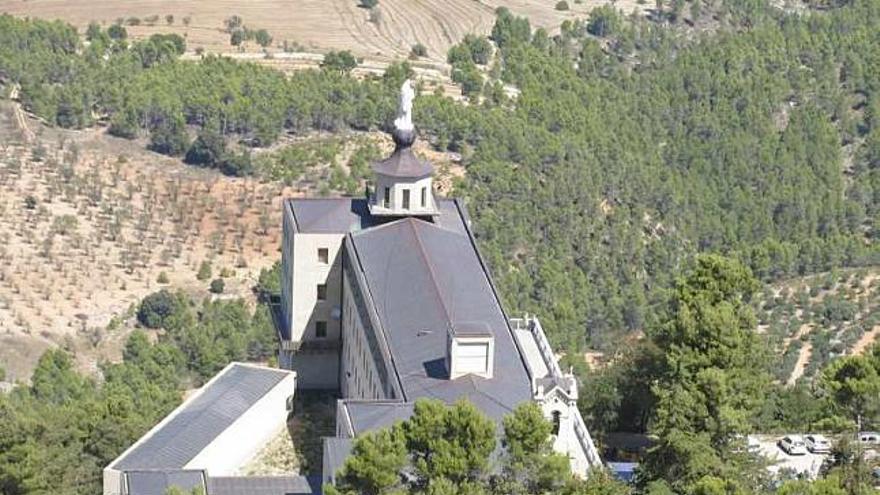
<point>557,418</point>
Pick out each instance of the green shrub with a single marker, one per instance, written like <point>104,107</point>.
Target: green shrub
<point>418,50</point>
<point>162,278</point>
<point>218,285</point>
<point>562,5</point>
<point>155,309</point>
<point>204,271</point>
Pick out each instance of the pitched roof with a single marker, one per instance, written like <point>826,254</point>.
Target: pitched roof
<point>369,415</point>
<point>336,450</point>
<point>158,482</point>
<point>264,485</point>
<point>197,422</point>
<point>344,215</point>
<point>403,163</point>
<point>422,278</point>
<point>330,215</point>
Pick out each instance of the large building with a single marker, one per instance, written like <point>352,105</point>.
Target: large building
<point>387,299</point>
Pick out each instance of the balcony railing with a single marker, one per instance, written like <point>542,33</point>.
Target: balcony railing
<point>580,428</point>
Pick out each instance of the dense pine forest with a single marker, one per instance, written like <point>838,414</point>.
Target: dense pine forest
<point>626,151</point>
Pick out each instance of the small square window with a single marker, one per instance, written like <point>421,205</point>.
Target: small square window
<point>323,255</point>
<point>321,329</point>
<point>322,292</point>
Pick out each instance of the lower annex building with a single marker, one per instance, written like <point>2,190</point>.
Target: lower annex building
<point>386,300</point>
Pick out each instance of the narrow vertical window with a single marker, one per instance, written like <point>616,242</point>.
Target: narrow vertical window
<point>321,329</point>
<point>556,422</point>
<point>323,256</point>
<point>322,292</point>
<point>424,197</point>
<point>406,199</point>
<point>387,202</point>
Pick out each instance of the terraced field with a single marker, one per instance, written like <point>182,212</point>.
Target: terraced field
<point>317,26</point>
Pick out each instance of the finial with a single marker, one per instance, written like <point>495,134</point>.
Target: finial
<point>404,132</point>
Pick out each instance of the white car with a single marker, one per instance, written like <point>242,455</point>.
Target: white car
<point>818,444</point>
<point>793,445</point>
<point>869,438</point>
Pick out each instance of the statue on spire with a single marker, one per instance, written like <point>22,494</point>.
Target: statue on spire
<point>403,122</point>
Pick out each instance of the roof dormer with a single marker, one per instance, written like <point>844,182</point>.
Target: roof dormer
<point>470,350</point>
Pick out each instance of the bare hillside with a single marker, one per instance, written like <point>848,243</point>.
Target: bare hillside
<point>88,223</point>
<point>386,34</point>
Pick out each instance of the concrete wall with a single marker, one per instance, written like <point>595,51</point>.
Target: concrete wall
<point>245,437</point>
<point>315,369</point>
<point>307,273</point>
<point>113,482</point>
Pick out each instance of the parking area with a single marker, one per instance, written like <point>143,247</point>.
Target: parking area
<point>807,464</point>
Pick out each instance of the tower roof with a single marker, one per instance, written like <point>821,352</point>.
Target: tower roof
<point>403,163</point>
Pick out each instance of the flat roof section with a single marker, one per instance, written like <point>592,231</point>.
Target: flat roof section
<point>198,421</point>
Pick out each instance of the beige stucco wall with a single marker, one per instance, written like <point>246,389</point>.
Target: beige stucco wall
<point>307,273</point>
<point>397,187</point>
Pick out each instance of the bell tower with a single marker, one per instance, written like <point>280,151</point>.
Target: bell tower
<point>403,181</point>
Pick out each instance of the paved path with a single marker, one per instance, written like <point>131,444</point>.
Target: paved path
<point>20,119</point>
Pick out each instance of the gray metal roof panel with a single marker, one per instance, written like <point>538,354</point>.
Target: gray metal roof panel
<point>422,278</point>
<point>197,423</point>
<point>158,482</point>
<point>264,485</point>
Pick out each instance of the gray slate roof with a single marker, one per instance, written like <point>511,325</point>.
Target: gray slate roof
<point>344,215</point>
<point>424,278</point>
<point>330,215</point>
<point>403,163</point>
<point>264,485</point>
<point>158,482</point>
<point>336,450</point>
<point>370,415</point>
<point>197,423</point>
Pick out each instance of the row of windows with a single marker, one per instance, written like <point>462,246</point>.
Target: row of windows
<point>321,326</point>
<point>387,199</point>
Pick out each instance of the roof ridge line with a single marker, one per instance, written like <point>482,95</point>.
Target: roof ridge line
<point>430,270</point>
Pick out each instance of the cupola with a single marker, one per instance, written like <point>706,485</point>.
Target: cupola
<point>403,181</point>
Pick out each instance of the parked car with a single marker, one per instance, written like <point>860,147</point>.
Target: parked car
<point>869,438</point>
<point>793,445</point>
<point>818,444</point>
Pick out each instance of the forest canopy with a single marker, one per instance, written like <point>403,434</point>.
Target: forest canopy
<point>628,149</point>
